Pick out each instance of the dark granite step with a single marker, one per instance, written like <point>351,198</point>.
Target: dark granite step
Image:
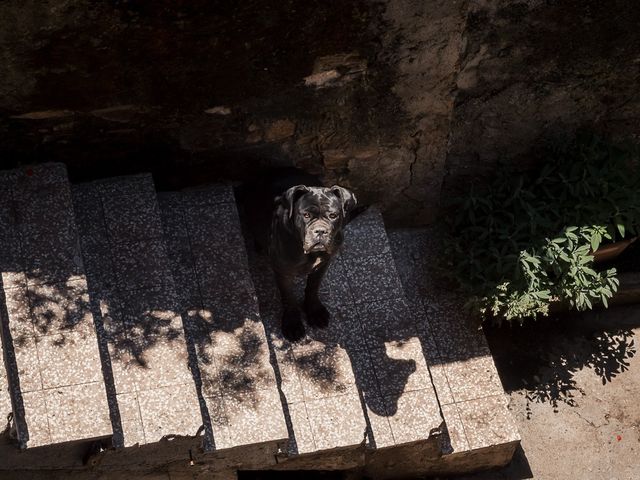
<point>152,392</point>
<point>364,379</point>
<point>218,302</point>
<point>50,346</point>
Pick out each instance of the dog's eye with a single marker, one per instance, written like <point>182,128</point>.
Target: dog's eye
<point>306,215</point>
<point>333,216</point>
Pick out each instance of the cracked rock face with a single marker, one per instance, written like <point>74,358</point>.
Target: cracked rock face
<point>396,100</point>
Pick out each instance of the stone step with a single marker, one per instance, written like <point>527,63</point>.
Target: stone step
<point>6,408</point>
<point>364,379</point>
<point>400,401</point>
<point>218,302</point>
<point>151,388</point>
<point>481,430</point>
<point>49,339</point>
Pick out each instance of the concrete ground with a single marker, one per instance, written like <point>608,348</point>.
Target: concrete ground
<point>574,384</point>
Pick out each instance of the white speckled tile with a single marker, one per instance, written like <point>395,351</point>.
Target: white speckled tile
<point>45,211</point>
<point>363,236</point>
<point>35,414</point>
<point>218,291</point>
<point>131,422</point>
<point>219,422</point>
<point>137,184</point>
<point>141,264</point>
<point>242,357</point>
<point>457,439</point>
<point>324,370</point>
<point>473,378</point>
<point>255,417</point>
<point>172,410</point>
<point>26,354</point>
<point>61,307</point>
<point>5,399</point>
<point>50,260</point>
<point>213,227</point>
<point>150,312</point>
<point>98,265</point>
<point>413,415</point>
<point>142,363</point>
<point>301,439</point>
<point>290,384</point>
<point>77,412</point>
<point>487,421</point>
<point>336,421</point>
<point>399,366</point>
<point>30,177</point>
<point>389,319</point>
<point>379,434</point>
<point>130,208</point>
<point>221,317</point>
<point>209,195</point>
<point>18,310</point>
<point>373,278</point>
<point>441,382</point>
<point>69,358</point>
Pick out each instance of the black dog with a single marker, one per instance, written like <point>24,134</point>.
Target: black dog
<point>306,222</point>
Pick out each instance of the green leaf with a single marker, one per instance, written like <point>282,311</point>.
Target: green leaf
<point>620,227</point>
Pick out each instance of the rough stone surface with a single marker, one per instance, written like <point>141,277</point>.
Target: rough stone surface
<point>371,81</point>
<point>403,97</point>
<point>525,78</point>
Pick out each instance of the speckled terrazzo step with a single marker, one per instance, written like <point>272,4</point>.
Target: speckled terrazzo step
<point>152,392</point>
<point>401,404</point>
<point>49,340</point>
<point>364,379</point>
<point>472,399</point>
<point>220,308</point>
<point>5,397</point>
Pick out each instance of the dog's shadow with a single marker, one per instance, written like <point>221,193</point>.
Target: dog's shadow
<point>340,359</point>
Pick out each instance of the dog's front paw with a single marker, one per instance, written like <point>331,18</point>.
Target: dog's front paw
<point>317,314</point>
<point>292,327</point>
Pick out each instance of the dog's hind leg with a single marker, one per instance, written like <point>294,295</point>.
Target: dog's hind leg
<point>292,327</point>
<point>317,314</point>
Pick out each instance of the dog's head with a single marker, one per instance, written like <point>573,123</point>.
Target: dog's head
<point>317,214</point>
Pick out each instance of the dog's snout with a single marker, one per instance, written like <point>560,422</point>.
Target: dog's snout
<point>320,231</point>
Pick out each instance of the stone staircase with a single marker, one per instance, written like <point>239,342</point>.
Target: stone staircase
<point>139,333</point>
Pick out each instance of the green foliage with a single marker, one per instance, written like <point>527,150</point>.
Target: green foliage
<point>528,240</point>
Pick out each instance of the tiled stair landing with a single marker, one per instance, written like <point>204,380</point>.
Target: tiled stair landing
<point>148,302</point>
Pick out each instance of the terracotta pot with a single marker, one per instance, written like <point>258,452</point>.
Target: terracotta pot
<point>611,251</point>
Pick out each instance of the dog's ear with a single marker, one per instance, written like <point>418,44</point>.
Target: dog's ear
<point>347,198</point>
<point>289,198</point>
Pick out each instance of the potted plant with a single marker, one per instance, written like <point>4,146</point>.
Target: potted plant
<point>530,240</point>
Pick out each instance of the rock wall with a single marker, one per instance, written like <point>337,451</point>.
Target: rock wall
<point>402,100</point>
<point>537,70</point>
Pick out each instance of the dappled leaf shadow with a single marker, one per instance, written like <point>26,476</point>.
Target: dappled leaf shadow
<point>542,359</point>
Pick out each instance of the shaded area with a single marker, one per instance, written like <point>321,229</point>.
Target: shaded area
<point>534,357</point>
<point>124,87</point>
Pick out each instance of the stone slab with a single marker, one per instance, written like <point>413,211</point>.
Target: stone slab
<point>462,369</point>
<point>5,398</point>
<point>218,302</point>
<point>55,370</point>
<point>135,302</point>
